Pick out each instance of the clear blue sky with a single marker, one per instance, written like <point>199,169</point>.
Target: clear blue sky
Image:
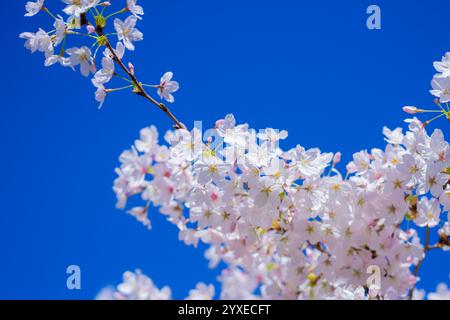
<point>310,67</point>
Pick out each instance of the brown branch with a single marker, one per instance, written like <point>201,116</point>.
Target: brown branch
<point>139,88</point>
<point>419,264</point>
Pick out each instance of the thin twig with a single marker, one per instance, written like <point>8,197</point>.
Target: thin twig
<point>419,264</point>
<point>140,89</point>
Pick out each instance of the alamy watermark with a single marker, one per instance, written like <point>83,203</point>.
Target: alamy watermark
<point>374,20</point>
<point>74,279</point>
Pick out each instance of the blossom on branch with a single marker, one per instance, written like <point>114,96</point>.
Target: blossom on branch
<point>127,32</point>
<point>332,228</point>
<point>33,8</point>
<point>167,87</point>
<point>136,10</point>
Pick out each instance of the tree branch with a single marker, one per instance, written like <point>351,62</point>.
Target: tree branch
<point>139,88</point>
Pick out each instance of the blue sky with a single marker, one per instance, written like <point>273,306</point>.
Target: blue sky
<point>310,67</point>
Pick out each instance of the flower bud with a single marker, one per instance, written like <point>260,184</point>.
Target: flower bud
<point>425,124</point>
<point>412,110</point>
<point>105,4</point>
<point>90,28</point>
<point>131,67</point>
<point>337,157</point>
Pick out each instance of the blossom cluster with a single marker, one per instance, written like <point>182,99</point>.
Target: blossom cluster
<point>441,80</point>
<point>440,89</point>
<point>78,24</point>
<point>235,285</point>
<point>288,219</point>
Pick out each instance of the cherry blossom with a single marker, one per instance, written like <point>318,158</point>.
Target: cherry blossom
<point>443,66</point>
<point>167,87</point>
<point>119,51</point>
<point>428,213</point>
<point>441,88</point>
<point>107,71</point>
<point>286,223</point>
<point>39,41</point>
<point>86,56</point>
<point>137,286</point>
<point>289,201</point>
<point>56,58</point>
<point>272,135</point>
<point>127,32</point>
<point>140,213</point>
<point>82,57</point>
<point>33,8</point>
<point>136,10</point>
<point>201,292</point>
<point>60,31</point>
<point>442,293</point>
<point>445,198</point>
<point>100,94</point>
<point>77,7</point>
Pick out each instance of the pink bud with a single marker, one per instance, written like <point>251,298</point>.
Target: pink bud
<point>378,175</point>
<point>411,110</point>
<point>90,29</point>
<point>337,157</point>
<point>351,167</point>
<point>105,4</point>
<point>131,67</point>
<point>214,196</point>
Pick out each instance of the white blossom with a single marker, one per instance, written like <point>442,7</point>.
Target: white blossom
<point>127,32</point>
<point>77,7</point>
<point>201,292</point>
<point>137,286</point>
<point>82,57</point>
<point>441,88</point>
<point>287,224</point>
<point>60,31</point>
<point>39,41</point>
<point>442,293</point>
<point>33,8</point>
<point>443,66</point>
<point>100,93</point>
<point>167,87</point>
<point>107,71</point>
<point>287,200</point>
<point>56,58</point>
<point>136,10</point>
<point>428,213</point>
